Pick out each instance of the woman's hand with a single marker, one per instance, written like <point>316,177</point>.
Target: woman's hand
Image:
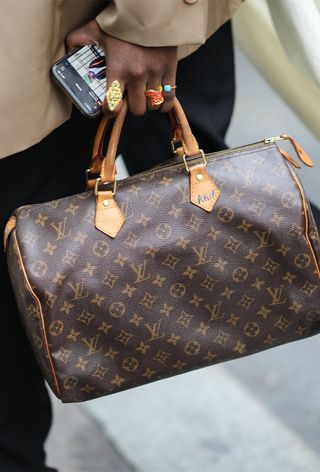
<point>136,68</point>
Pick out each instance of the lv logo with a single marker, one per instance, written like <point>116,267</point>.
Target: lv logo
<point>61,229</point>
<point>154,330</point>
<point>248,176</point>
<point>78,292</point>
<point>264,238</point>
<point>92,345</point>
<point>215,311</point>
<point>202,254</point>
<point>276,295</point>
<point>140,271</point>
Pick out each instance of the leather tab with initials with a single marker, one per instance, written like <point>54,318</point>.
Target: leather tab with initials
<point>203,191</point>
<point>109,217</point>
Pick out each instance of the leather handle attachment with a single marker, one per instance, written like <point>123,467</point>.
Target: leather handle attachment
<point>105,165</point>
<point>109,217</point>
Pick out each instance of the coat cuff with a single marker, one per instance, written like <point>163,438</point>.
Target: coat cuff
<point>156,23</point>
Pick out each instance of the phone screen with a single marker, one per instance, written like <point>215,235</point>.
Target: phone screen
<point>89,62</point>
<point>82,74</point>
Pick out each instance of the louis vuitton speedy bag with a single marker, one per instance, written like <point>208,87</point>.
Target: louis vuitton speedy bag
<point>200,260</point>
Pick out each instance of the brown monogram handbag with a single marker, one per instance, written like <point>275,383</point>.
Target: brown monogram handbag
<point>202,259</point>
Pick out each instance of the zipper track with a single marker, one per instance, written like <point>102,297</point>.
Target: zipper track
<point>209,157</point>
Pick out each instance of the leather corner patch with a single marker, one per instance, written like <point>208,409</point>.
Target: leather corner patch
<point>203,191</point>
<point>109,217</point>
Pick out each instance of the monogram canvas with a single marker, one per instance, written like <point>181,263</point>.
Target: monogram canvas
<point>179,287</point>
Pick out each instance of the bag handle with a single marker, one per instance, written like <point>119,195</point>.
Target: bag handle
<point>105,165</point>
<point>109,217</point>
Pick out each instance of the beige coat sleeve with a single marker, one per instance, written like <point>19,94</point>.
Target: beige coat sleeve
<point>156,22</point>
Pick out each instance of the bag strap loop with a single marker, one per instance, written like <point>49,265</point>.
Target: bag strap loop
<point>105,165</point>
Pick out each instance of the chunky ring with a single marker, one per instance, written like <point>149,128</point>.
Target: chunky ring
<point>167,88</point>
<point>114,95</point>
<point>155,96</point>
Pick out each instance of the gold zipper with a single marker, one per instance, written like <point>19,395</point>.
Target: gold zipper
<point>272,139</point>
<point>300,152</point>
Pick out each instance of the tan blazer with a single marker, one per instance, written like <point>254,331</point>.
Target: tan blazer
<point>32,38</point>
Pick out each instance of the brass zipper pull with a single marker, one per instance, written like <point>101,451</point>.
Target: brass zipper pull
<point>272,139</point>
<point>301,153</point>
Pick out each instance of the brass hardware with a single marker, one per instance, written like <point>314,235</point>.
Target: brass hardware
<point>96,186</point>
<point>174,151</point>
<point>199,176</point>
<point>106,202</point>
<point>88,172</point>
<point>203,158</point>
<point>272,139</point>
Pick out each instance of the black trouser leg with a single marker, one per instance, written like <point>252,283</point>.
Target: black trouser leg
<point>51,169</point>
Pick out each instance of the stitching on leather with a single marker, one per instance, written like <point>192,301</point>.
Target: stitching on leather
<point>100,219</point>
<point>306,221</point>
<point>41,314</point>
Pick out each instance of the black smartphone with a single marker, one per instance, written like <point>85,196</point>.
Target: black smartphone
<point>82,75</point>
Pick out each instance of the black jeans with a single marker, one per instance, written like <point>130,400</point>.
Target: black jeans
<point>55,168</point>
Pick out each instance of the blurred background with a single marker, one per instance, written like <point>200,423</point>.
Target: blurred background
<point>258,413</point>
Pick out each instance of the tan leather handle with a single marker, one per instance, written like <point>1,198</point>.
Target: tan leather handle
<point>97,156</point>
<point>106,165</point>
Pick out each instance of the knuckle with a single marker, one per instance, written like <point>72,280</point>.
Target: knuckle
<point>156,69</point>
<point>137,71</point>
<point>70,39</point>
<point>114,71</point>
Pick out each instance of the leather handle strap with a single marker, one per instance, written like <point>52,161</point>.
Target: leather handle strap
<point>106,165</point>
<point>189,142</point>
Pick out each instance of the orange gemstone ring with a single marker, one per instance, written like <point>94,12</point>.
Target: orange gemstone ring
<point>155,96</point>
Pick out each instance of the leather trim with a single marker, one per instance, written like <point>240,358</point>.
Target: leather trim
<point>97,155</point>
<point>41,315</point>
<point>11,224</point>
<point>301,153</point>
<point>108,165</point>
<point>290,159</point>
<point>203,192</point>
<point>109,219</point>
<point>305,211</point>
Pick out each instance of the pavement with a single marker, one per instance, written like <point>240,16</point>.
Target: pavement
<point>257,414</point>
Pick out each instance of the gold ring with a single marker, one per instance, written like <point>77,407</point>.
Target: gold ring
<point>155,96</point>
<point>114,95</point>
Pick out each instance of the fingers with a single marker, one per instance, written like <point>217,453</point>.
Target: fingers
<point>87,34</point>
<point>139,95</point>
<point>168,82</point>
<point>136,97</point>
